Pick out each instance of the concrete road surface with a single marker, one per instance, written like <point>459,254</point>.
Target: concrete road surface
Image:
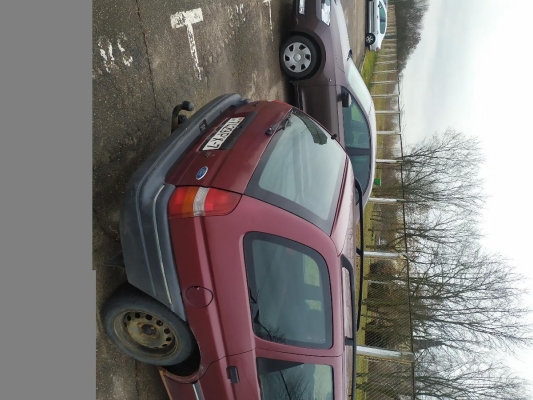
<point>144,63</point>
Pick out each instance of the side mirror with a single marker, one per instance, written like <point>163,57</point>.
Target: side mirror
<point>346,99</point>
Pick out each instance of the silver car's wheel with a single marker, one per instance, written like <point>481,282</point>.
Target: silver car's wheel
<point>298,57</point>
<point>370,39</point>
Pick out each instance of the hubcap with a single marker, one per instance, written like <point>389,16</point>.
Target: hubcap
<point>297,57</point>
<point>147,331</point>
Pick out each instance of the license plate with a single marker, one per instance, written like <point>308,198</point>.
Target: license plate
<point>222,134</point>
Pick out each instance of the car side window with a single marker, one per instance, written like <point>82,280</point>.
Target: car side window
<point>382,20</point>
<point>289,290</point>
<point>361,169</point>
<point>356,131</point>
<point>293,380</point>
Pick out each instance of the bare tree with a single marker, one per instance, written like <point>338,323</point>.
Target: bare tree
<point>442,173</point>
<point>465,376</point>
<point>461,296</point>
<point>409,15</point>
<point>473,297</point>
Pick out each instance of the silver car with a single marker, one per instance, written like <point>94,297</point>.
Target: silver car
<point>377,24</point>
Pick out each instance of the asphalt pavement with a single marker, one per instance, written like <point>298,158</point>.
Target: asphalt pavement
<point>148,57</point>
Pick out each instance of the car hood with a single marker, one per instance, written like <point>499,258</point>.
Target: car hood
<point>340,24</point>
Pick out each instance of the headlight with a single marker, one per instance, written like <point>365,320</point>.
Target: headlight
<point>301,7</point>
<point>326,6</point>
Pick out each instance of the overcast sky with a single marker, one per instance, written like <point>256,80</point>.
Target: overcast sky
<point>470,71</point>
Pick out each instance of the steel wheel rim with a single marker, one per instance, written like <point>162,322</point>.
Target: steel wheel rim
<point>146,333</point>
<point>297,57</point>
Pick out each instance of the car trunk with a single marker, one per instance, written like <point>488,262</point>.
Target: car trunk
<point>231,166</point>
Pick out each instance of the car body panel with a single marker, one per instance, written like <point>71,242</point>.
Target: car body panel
<point>341,35</point>
<point>231,169</point>
<point>321,101</point>
<point>144,236</point>
<point>320,95</point>
<point>208,252</point>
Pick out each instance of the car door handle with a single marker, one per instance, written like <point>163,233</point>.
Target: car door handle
<point>233,374</point>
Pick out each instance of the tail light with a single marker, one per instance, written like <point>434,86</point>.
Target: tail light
<point>197,201</point>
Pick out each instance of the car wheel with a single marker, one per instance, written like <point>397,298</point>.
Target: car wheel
<point>299,57</point>
<point>145,329</point>
<point>370,38</point>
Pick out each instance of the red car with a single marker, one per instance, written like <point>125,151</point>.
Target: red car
<point>237,241</point>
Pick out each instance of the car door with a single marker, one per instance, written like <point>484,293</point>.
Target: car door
<point>293,376</point>
<point>321,103</point>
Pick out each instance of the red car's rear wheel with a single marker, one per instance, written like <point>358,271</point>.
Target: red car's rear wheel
<point>145,329</point>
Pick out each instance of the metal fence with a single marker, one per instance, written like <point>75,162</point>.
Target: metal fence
<point>385,364</point>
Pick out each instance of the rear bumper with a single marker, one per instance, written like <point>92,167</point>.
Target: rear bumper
<point>144,230</point>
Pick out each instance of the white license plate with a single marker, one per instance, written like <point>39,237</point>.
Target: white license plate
<point>223,133</point>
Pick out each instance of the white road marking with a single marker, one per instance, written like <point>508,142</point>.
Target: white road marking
<point>236,15</point>
<point>187,19</point>
<point>270,17</point>
<point>106,51</point>
<point>126,60</point>
<point>110,50</point>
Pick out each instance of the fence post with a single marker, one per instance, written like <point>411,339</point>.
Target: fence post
<point>378,200</point>
<point>373,352</point>
<point>385,255</point>
<point>387,112</point>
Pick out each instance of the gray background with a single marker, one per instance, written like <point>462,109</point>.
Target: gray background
<point>47,287</point>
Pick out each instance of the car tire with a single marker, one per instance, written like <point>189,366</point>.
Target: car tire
<point>298,57</point>
<point>144,329</point>
<point>370,39</point>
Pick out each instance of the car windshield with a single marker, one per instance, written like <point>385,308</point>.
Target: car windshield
<point>285,380</point>
<point>359,87</point>
<point>289,292</point>
<point>298,157</point>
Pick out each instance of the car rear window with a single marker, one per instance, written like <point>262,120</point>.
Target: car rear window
<point>284,380</point>
<point>301,172</point>
<point>289,292</point>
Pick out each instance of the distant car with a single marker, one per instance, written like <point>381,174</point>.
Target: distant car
<point>237,234</point>
<point>377,24</point>
<point>318,59</point>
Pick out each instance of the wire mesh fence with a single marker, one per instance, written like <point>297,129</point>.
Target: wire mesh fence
<point>386,311</point>
<point>384,380</point>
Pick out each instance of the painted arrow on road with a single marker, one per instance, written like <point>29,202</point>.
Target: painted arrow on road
<point>187,19</point>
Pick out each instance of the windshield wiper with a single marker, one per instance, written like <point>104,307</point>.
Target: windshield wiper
<point>285,122</point>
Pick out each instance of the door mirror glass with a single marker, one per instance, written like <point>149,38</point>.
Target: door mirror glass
<point>346,99</point>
